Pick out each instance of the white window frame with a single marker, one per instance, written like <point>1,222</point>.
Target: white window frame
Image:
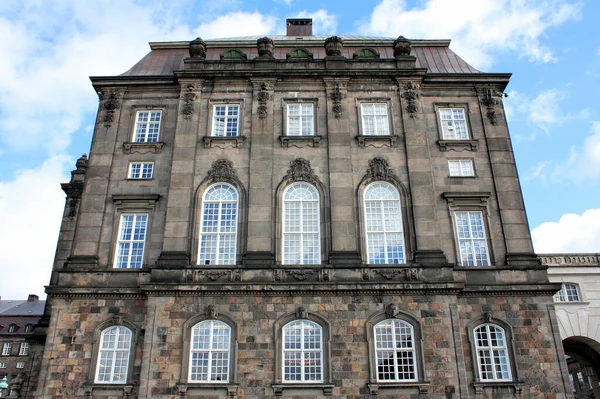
<point>20,365</point>
<point>12,328</point>
<point>2,365</point>
<point>113,352</point>
<point>568,292</point>
<point>382,207</point>
<point>24,349</point>
<point>404,353</point>
<point>28,328</point>
<point>448,126</point>
<point>141,170</point>
<point>221,235</point>
<point>366,114</point>
<point>492,352</point>
<point>302,234</point>
<point>129,243</point>
<point>309,118</point>
<point>216,349</point>
<point>461,168</point>
<point>305,352</point>
<point>216,130</point>
<point>148,129</point>
<point>6,349</point>
<point>470,241</point>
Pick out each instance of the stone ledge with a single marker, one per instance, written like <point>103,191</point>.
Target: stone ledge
<point>517,385</point>
<point>458,145</point>
<point>223,141</point>
<point>143,147</point>
<point>423,387</point>
<point>92,389</point>
<point>206,388</point>
<point>326,388</point>
<point>377,141</point>
<point>300,141</point>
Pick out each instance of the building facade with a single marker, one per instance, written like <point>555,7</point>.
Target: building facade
<point>578,314</point>
<point>300,216</point>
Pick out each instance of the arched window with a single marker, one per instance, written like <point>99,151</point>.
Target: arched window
<point>395,351</point>
<point>493,362</point>
<point>210,349</point>
<point>218,229</point>
<point>383,224</point>
<point>113,355</point>
<point>302,352</point>
<point>301,225</point>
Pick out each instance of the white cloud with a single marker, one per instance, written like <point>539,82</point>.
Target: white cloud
<point>572,233</point>
<point>583,164</point>
<point>478,28</point>
<point>237,24</point>
<point>323,22</point>
<point>31,207</point>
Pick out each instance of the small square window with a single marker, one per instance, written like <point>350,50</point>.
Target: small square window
<point>147,126</point>
<point>375,120</point>
<point>20,365</point>
<point>454,123</point>
<point>461,167</point>
<point>141,170</point>
<point>226,120</point>
<point>300,119</point>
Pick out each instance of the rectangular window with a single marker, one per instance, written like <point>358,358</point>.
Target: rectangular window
<point>2,365</point>
<point>20,365</point>
<point>24,349</point>
<point>472,242</point>
<point>461,167</point>
<point>567,293</point>
<point>375,119</point>
<point>131,241</point>
<point>147,126</point>
<point>6,348</point>
<point>454,124</point>
<point>226,120</point>
<point>141,170</point>
<point>300,120</point>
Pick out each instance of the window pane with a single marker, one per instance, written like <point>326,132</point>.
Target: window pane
<point>301,239</point>
<point>113,356</point>
<point>132,237</point>
<point>209,351</point>
<point>472,241</point>
<point>218,231</point>
<point>300,120</point>
<point>395,353</point>
<point>302,351</point>
<point>492,353</point>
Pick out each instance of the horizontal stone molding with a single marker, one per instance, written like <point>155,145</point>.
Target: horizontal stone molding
<point>458,145</point>
<point>223,142</point>
<point>300,141</point>
<point>378,141</point>
<point>143,148</point>
<point>577,259</point>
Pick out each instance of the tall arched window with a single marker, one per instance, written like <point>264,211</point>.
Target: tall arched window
<point>218,230</point>
<point>302,352</point>
<point>493,362</point>
<point>395,351</point>
<point>210,352</point>
<point>113,355</point>
<point>383,224</point>
<point>301,225</point>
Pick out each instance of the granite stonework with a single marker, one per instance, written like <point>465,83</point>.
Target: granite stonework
<point>173,290</point>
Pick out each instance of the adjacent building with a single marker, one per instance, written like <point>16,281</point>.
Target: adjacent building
<point>300,216</point>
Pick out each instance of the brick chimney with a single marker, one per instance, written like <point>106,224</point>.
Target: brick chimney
<point>299,26</point>
<point>33,298</point>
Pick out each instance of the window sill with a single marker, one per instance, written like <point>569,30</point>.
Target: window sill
<point>139,179</point>
<point>377,141</point>
<point>462,177</point>
<point>327,389</point>
<point>300,141</point>
<point>423,387</point>
<point>97,389</point>
<point>143,147</point>
<point>223,141</point>
<point>572,303</point>
<point>205,388</point>
<point>517,385</point>
<point>458,145</point>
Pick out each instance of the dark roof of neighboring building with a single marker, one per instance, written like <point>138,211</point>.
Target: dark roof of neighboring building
<point>166,57</point>
<point>21,308</point>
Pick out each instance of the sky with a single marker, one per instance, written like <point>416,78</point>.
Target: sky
<point>49,48</point>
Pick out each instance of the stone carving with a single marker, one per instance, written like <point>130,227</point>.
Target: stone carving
<point>15,385</point>
<point>489,98</point>
<point>211,312</point>
<point>110,105</point>
<point>325,275</point>
<point>392,311</point>
<point>74,188</point>
<point>117,320</point>
<point>379,170</point>
<point>236,275</point>
<point>222,170</point>
<point>411,95</point>
<point>301,313</point>
<point>277,275</point>
<point>263,97</point>
<point>388,273</point>
<point>214,275</point>
<point>189,276</point>
<point>337,96</point>
<point>300,170</point>
<point>301,275</point>
<point>411,274</point>
<point>198,49</point>
<point>188,102</point>
<point>265,47</point>
<point>334,46</point>
<point>366,275</point>
<point>401,47</point>
<point>488,317</point>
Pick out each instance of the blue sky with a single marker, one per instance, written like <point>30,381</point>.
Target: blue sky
<point>49,48</point>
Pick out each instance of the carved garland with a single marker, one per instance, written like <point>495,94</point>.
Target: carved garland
<point>337,96</point>
<point>489,98</point>
<point>110,105</point>
<point>263,97</point>
<point>188,98</point>
<point>411,95</point>
<point>379,169</point>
